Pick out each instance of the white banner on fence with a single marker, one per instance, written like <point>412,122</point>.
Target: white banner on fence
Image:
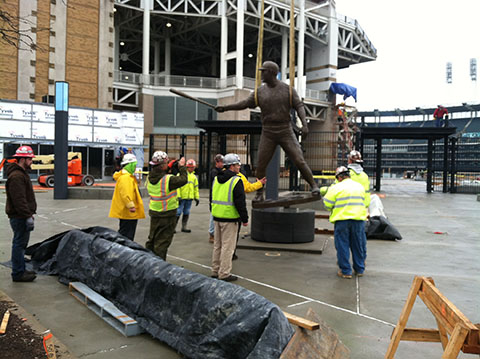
<point>132,136</point>
<point>15,129</point>
<point>80,133</point>
<point>77,116</point>
<point>15,111</point>
<point>43,131</point>
<point>37,121</point>
<point>132,119</point>
<point>110,119</point>
<point>107,135</point>
<point>43,113</point>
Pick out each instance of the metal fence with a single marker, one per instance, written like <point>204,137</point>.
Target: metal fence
<point>408,159</point>
<point>321,151</point>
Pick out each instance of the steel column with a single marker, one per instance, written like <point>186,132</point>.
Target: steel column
<point>378,165</point>
<point>168,56</point>
<point>146,41</point>
<point>284,62</point>
<point>445,165</point>
<point>301,50</point>
<point>453,159</point>
<point>223,42</point>
<point>429,165</point>
<point>240,42</point>
<point>156,58</point>
<point>209,156</point>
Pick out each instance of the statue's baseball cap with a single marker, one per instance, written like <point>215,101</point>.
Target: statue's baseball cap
<point>270,66</point>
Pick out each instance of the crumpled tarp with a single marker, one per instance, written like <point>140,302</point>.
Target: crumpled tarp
<point>379,227</point>
<point>344,89</point>
<point>199,316</point>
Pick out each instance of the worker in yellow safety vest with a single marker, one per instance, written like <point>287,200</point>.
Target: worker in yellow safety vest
<point>229,209</point>
<point>347,203</point>
<point>162,188</point>
<point>356,173</point>
<point>187,194</point>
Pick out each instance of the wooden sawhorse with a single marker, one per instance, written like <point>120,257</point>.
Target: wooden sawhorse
<point>451,322</point>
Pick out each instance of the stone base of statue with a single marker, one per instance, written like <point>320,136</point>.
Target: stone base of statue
<point>283,225</point>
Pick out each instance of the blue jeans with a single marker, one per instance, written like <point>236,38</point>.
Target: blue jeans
<point>438,122</point>
<point>211,227</point>
<point>184,206</point>
<point>19,242</point>
<point>350,236</point>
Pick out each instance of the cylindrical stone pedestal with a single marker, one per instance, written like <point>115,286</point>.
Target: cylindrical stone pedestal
<point>283,225</point>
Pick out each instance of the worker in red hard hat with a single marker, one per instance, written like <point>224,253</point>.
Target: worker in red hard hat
<point>20,208</point>
<point>187,194</point>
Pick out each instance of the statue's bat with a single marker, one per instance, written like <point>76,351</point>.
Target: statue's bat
<point>183,94</point>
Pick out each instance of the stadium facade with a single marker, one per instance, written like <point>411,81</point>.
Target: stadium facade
<point>125,55</point>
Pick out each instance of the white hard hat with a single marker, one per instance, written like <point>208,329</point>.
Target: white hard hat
<point>128,158</point>
<point>231,159</point>
<point>159,157</point>
<point>355,156</point>
<point>342,170</point>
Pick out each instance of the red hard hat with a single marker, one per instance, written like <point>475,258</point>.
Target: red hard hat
<point>24,151</point>
<point>191,163</point>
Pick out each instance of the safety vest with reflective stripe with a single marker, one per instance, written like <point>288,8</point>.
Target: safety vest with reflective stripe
<point>190,189</point>
<point>362,178</point>
<point>161,198</point>
<point>346,200</point>
<point>222,199</point>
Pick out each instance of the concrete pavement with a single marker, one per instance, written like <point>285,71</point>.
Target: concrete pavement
<point>362,311</point>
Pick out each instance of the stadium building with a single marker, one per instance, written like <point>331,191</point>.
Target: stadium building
<point>125,55</point>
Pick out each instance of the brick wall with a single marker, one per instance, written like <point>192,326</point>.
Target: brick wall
<point>8,58</point>
<point>82,52</point>
<point>43,49</point>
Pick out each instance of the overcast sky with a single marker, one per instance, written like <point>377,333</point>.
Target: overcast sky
<point>414,41</point>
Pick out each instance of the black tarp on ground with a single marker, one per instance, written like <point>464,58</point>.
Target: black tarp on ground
<point>199,316</point>
<point>379,227</point>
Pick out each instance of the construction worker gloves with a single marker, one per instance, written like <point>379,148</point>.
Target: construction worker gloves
<point>197,201</point>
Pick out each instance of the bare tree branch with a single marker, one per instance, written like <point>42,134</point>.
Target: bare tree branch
<point>13,33</point>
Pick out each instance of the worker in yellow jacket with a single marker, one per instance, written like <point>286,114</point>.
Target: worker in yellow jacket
<point>187,194</point>
<point>346,200</point>
<point>127,204</point>
<point>357,174</point>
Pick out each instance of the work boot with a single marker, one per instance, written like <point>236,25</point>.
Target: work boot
<point>184,224</point>
<point>25,277</point>
<point>258,196</point>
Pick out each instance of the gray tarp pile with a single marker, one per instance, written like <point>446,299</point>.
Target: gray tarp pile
<point>198,316</point>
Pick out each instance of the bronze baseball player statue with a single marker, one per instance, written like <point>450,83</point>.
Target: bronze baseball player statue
<point>275,102</point>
